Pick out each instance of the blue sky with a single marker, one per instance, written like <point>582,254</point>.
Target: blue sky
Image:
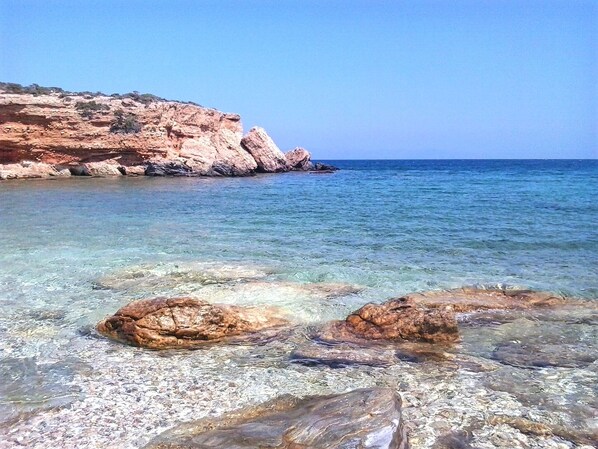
<point>345,79</point>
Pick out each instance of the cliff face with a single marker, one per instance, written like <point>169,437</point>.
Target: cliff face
<point>58,134</point>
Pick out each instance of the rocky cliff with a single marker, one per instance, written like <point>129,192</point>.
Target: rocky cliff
<point>47,132</point>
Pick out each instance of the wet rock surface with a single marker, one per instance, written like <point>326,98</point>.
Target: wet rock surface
<point>471,299</point>
<point>299,159</point>
<point>339,356</point>
<point>366,418</point>
<point>325,168</point>
<point>395,320</point>
<point>186,323</point>
<point>183,276</point>
<point>445,388</point>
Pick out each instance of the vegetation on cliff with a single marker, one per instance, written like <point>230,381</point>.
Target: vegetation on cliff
<point>36,89</point>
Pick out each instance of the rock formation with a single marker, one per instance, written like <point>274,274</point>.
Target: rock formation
<point>97,135</point>
<point>368,418</point>
<point>395,320</point>
<point>186,323</point>
<point>267,155</point>
<point>299,159</point>
<point>470,299</point>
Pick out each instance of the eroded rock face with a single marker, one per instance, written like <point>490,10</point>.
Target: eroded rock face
<point>82,132</point>
<point>28,169</point>
<point>470,299</point>
<point>186,323</point>
<point>367,418</point>
<point>395,320</point>
<point>299,159</point>
<point>268,156</point>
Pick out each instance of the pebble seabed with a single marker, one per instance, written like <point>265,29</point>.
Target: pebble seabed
<point>107,395</point>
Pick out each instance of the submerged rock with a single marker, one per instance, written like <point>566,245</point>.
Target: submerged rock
<point>470,299</point>
<point>180,276</point>
<point>533,343</point>
<point>27,387</point>
<point>395,320</point>
<point>339,356</point>
<point>537,355</point>
<point>186,323</point>
<point>527,426</point>
<point>368,418</point>
<point>267,155</point>
<point>458,439</point>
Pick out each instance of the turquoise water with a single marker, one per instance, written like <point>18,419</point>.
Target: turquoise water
<point>75,250</point>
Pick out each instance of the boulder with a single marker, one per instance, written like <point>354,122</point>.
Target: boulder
<point>186,323</point>
<point>103,169</point>
<point>299,159</point>
<point>367,418</point>
<point>395,320</point>
<point>470,299</point>
<point>134,170</point>
<point>29,169</point>
<point>267,155</point>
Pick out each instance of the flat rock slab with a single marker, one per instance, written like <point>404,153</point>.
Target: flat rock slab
<point>343,355</point>
<point>470,299</point>
<point>187,323</point>
<point>364,419</point>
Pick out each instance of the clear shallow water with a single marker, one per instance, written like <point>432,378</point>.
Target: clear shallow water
<point>75,250</point>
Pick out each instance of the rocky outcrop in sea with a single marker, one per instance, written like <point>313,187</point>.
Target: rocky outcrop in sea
<point>50,133</point>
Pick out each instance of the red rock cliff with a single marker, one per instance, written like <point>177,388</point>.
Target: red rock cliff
<point>58,134</point>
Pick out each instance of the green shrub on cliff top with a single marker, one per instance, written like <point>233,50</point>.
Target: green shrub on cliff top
<point>35,89</point>
<point>88,108</point>
<point>124,123</point>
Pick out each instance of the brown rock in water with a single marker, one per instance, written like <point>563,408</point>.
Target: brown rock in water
<point>268,156</point>
<point>368,418</point>
<point>186,323</point>
<point>395,320</point>
<point>469,299</point>
<point>299,159</point>
<point>73,130</point>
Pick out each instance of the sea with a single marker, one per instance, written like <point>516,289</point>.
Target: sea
<point>73,251</point>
